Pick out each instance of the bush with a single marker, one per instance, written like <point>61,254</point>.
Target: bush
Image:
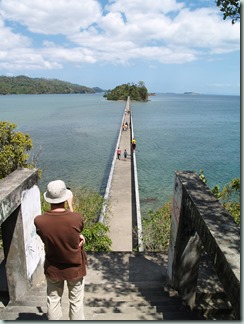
<point>156,229</point>
<point>230,198</point>
<point>90,206</point>
<point>96,238</point>
<point>13,148</point>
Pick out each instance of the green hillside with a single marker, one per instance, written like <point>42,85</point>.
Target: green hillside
<point>25,85</point>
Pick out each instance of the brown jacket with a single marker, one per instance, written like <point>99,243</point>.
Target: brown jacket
<point>60,233</point>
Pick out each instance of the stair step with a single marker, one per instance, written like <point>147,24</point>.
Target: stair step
<point>123,312</point>
<point>124,286</point>
<point>113,302</point>
<point>22,316</point>
<point>13,312</point>
<point>129,284</point>
<point>181,316</point>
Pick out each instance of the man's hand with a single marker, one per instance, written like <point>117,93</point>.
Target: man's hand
<point>70,202</point>
<point>82,240</point>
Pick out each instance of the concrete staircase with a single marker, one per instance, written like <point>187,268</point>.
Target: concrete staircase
<point>119,286</point>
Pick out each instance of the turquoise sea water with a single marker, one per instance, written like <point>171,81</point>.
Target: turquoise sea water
<point>77,135</point>
<point>181,132</point>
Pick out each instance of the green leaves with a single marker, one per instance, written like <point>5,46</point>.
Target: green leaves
<point>13,149</point>
<point>230,9</point>
<point>97,239</point>
<point>156,229</point>
<point>229,196</point>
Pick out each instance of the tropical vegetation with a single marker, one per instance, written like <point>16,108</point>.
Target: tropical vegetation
<point>25,85</point>
<point>137,92</point>
<point>13,149</point>
<point>229,196</point>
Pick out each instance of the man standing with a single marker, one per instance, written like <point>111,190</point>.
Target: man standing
<point>65,258</point>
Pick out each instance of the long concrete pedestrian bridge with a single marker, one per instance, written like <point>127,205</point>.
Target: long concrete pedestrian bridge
<point>198,279</point>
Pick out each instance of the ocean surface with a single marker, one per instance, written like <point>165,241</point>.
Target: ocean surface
<point>74,138</point>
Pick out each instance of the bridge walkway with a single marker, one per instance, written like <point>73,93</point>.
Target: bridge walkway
<point>120,194</point>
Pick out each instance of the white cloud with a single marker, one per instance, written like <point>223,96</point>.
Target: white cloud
<point>145,6</point>
<point>159,30</point>
<point>203,28</point>
<point>10,40</point>
<point>76,55</point>
<point>52,17</point>
<point>28,58</point>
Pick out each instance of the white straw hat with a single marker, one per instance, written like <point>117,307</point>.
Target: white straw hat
<point>57,192</point>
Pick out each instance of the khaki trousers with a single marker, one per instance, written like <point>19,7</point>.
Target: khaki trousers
<point>55,291</point>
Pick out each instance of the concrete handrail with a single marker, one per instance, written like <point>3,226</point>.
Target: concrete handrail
<point>199,220</point>
<point>137,196</point>
<point>105,202</point>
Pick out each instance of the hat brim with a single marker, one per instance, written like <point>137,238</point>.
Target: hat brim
<point>59,200</point>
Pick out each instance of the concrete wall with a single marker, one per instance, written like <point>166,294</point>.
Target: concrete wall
<point>23,249</point>
<point>199,221</point>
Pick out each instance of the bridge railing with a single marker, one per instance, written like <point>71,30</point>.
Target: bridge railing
<point>137,195</point>
<point>110,177</point>
<point>199,222</point>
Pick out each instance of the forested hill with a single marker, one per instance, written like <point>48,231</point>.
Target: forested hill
<point>25,85</point>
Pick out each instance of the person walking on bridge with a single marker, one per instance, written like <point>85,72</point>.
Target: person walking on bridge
<point>65,258</point>
<point>133,144</point>
<point>118,153</point>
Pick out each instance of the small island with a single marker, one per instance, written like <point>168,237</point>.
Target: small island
<point>191,93</point>
<point>137,92</point>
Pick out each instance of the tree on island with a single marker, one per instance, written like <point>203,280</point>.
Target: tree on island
<point>137,92</point>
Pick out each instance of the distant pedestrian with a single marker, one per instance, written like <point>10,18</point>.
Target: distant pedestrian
<point>133,144</point>
<point>125,154</point>
<point>118,153</point>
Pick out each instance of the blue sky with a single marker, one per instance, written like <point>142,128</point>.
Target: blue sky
<point>171,45</point>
